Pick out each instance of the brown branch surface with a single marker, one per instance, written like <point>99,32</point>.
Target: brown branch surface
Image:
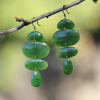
<point>27,22</point>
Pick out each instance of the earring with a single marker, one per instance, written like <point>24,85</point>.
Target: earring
<point>66,37</point>
<point>35,49</point>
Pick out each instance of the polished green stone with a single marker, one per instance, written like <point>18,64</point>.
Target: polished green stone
<point>67,67</point>
<point>65,23</point>
<point>38,49</point>
<point>36,79</point>
<point>36,64</point>
<point>35,35</point>
<point>69,52</point>
<point>66,37</point>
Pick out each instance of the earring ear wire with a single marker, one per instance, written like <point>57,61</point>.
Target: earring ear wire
<point>34,27</point>
<point>63,11</point>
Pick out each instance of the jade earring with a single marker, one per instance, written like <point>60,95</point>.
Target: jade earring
<point>66,37</point>
<point>35,50</point>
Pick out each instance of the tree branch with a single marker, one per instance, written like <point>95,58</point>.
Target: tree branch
<point>27,22</point>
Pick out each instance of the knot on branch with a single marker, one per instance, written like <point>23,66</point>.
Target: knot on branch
<point>22,20</point>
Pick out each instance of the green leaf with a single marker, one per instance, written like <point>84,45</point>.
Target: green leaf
<point>95,1</point>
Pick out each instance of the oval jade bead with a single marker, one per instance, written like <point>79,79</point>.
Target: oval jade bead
<point>35,35</point>
<point>36,79</point>
<point>66,37</point>
<point>65,23</point>
<point>38,49</point>
<point>36,64</point>
<point>69,52</point>
<point>67,67</point>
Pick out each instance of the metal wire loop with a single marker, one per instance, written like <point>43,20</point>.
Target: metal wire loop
<point>38,23</point>
<point>66,11</point>
<point>34,27</point>
<point>63,12</point>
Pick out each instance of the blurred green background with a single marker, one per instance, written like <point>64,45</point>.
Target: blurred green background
<point>82,84</point>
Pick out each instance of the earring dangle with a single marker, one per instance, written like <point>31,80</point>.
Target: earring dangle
<point>35,49</point>
<point>66,37</point>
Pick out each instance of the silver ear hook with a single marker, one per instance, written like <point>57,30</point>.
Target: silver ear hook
<point>38,23</point>
<point>67,12</point>
<point>34,27</point>
<point>63,12</point>
<point>65,9</point>
<point>34,30</point>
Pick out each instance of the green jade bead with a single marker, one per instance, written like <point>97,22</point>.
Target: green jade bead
<point>68,51</point>
<point>35,35</point>
<point>66,37</point>
<point>35,49</point>
<point>36,79</point>
<point>67,67</point>
<point>65,23</point>
<point>36,64</point>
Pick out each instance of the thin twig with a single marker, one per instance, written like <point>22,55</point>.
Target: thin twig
<point>27,22</point>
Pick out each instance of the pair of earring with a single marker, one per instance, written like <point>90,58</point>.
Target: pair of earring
<point>37,49</point>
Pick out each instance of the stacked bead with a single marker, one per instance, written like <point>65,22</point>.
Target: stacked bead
<point>65,37</point>
<point>35,49</point>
